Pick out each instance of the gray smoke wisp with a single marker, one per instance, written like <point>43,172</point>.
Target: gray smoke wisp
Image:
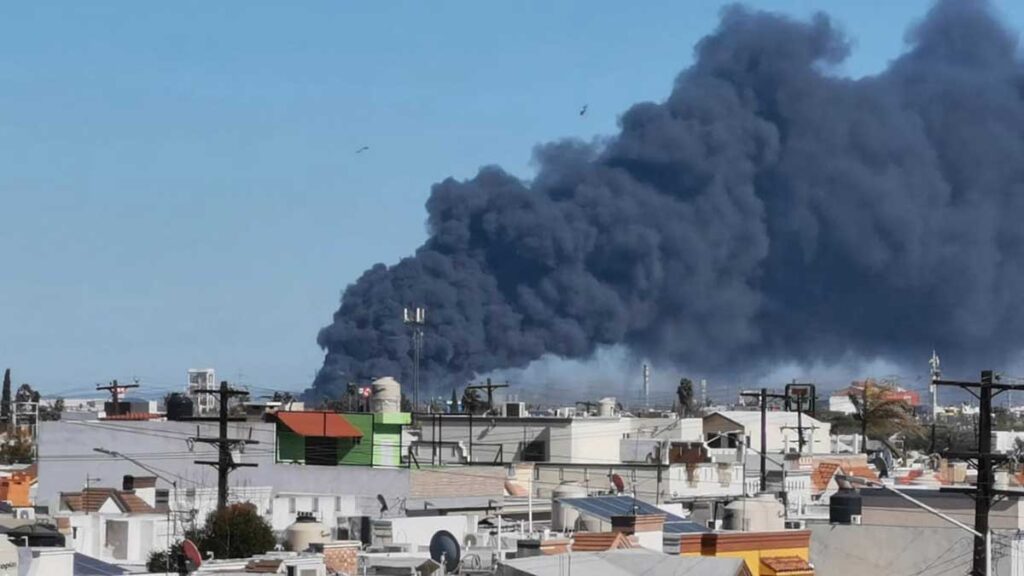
<point>768,211</point>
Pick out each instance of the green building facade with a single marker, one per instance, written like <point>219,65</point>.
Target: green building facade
<point>380,444</point>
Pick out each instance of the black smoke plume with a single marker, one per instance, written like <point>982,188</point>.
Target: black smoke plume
<point>769,210</point>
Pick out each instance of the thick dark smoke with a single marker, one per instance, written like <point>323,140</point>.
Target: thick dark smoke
<point>768,211</point>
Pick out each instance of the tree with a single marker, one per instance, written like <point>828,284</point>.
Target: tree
<point>237,531</point>
<point>52,412</point>
<point>5,400</point>
<point>17,450</point>
<point>159,561</point>
<point>882,413</point>
<point>473,402</point>
<point>687,403</point>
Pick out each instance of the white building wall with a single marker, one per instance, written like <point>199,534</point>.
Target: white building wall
<point>596,440</point>
<point>163,444</point>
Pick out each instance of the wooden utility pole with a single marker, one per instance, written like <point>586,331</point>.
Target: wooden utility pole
<point>984,390</point>
<point>763,396</point>
<point>224,464</point>
<point>490,388</point>
<point>115,393</point>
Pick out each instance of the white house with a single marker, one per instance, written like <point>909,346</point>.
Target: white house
<point>723,429</point>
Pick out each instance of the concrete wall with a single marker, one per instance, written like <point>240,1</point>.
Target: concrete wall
<point>883,508</point>
<point>675,482</point>
<point>857,550</point>
<point>67,456</point>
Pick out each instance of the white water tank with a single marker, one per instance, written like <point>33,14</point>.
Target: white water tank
<point>606,407</point>
<point>304,531</point>
<point>387,395</point>
<point>761,513</point>
<point>565,517</point>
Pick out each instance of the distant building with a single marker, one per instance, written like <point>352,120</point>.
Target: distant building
<point>199,380</point>
<point>839,401</point>
<point>728,430</point>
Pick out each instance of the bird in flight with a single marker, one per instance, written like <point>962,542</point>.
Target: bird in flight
<point>583,110</point>
<point>363,149</point>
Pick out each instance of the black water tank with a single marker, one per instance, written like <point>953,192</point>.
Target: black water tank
<point>179,407</point>
<point>843,506</point>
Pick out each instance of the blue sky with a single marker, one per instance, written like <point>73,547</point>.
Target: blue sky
<point>178,180</point>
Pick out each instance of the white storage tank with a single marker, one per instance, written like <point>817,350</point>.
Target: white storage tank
<point>387,395</point>
<point>305,531</point>
<point>761,513</point>
<point>565,518</point>
<point>606,407</point>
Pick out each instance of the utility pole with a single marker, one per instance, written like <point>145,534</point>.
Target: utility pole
<point>224,464</point>
<point>416,319</point>
<point>490,388</point>
<point>984,391</point>
<point>115,393</point>
<point>864,418</point>
<point>763,396</point>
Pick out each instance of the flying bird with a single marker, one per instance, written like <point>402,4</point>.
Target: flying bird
<point>363,149</point>
<point>583,110</point>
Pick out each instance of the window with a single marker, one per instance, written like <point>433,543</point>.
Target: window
<point>163,496</point>
<point>291,505</point>
<point>535,451</point>
<point>316,504</point>
<point>337,503</point>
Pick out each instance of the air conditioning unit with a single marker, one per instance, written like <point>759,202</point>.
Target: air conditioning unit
<point>715,524</point>
<point>855,519</point>
<point>514,409</point>
<point>566,412</point>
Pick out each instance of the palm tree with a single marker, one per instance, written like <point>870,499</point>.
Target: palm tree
<point>881,413</point>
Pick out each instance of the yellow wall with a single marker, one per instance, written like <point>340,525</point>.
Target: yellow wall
<point>753,557</point>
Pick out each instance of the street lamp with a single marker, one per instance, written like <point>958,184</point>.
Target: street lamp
<point>873,484</point>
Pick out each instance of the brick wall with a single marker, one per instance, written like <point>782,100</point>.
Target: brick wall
<point>342,557</point>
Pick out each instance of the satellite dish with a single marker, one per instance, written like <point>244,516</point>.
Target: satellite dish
<point>383,504</point>
<point>445,550</point>
<point>620,485</point>
<point>192,554</point>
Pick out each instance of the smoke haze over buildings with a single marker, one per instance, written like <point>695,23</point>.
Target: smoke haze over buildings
<point>768,212</point>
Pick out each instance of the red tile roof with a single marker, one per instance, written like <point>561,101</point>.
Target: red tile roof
<point>822,475</point>
<point>324,424</point>
<point>92,499</point>
<point>787,565</point>
<point>132,416</point>
<point>600,541</point>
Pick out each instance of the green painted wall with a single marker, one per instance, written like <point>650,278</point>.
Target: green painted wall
<point>357,452</point>
<point>290,446</point>
<point>381,444</point>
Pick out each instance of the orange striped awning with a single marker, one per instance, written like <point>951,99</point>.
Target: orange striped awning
<point>323,424</point>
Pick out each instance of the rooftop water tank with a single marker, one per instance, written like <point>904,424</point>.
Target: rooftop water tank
<point>606,407</point>
<point>843,506</point>
<point>761,513</point>
<point>305,531</point>
<point>387,395</point>
<point>179,407</point>
<point>564,518</point>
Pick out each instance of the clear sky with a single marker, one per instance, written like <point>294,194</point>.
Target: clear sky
<point>179,181</point>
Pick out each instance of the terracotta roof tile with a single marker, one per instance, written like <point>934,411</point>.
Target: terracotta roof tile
<point>132,416</point>
<point>822,475</point>
<point>600,541</point>
<point>92,499</point>
<point>131,503</point>
<point>788,565</point>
